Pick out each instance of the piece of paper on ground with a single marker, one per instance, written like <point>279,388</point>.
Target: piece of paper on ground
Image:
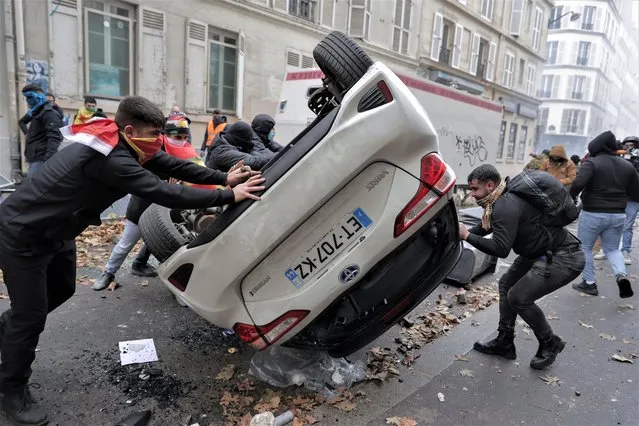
<point>137,351</point>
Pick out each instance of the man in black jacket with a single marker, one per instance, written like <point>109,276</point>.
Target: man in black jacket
<point>40,220</point>
<point>515,224</point>
<point>631,145</point>
<point>43,135</point>
<point>236,144</point>
<point>607,181</point>
<point>264,127</point>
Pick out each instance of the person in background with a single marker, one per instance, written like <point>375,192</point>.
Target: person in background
<point>631,145</point>
<point>26,119</point>
<point>216,125</point>
<point>41,219</point>
<point>538,160</point>
<point>175,109</point>
<point>560,166</point>
<point>43,134</point>
<point>575,159</point>
<point>235,144</point>
<point>86,113</point>
<point>607,181</point>
<point>264,127</point>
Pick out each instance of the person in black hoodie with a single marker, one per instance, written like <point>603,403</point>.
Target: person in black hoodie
<point>607,181</point>
<point>264,127</point>
<point>631,146</point>
<point>43,133</point>
<point>236,144</point>
<point>40,220</point>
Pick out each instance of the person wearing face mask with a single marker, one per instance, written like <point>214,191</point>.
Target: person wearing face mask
<point>40,220</point>
<point>560,166</point>
<point>631,146</point>
<point>43,135</point>
<point>86,113</point>
<point>264,127</point>
<point>235,144</point>
<point>216,125</point>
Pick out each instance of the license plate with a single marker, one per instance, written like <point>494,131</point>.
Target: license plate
<point>328,247</point>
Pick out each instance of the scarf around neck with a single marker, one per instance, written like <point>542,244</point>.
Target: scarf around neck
<point>487,203</point>
<point>83,116</point>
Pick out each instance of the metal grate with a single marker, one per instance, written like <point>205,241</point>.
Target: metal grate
<point>197,31</point>
<point>307,61</point>
<point>242,43</point>
<point>152,19</point>
<point>67,3</point>
<point>293,58</point>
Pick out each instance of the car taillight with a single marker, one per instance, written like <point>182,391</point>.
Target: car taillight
<point>180,278</point>
<point>436,179</point>
<point>261,337</point>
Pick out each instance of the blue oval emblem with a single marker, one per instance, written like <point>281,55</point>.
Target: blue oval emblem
<point>349,274</point>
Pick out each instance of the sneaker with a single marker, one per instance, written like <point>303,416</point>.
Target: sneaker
<point>590,289</point>
<point>21,408</point>
<point>600,255</point>
<point>547,352</point>
<point>503,345</point>
<point>625,289</point>
<point>626,258</point>
<point>143,271</point>
<point>103,282</point>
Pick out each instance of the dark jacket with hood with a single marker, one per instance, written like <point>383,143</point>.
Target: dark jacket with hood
<point>234,145</point>
<point>26,119</point>
<point>607,180</point>
<point>71,190</point>
<point>43,136</point>
<point>262,125</point>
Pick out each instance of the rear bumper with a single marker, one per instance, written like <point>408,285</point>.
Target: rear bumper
<point>396,285</point>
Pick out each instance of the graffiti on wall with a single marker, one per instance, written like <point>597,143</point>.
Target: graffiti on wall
<point>473,148</point>
<point>38,73</point>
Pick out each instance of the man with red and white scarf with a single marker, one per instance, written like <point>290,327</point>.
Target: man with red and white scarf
<point>39,223</point>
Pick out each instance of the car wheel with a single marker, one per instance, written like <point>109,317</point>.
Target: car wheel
<point>341,60</point>
<point>160,232</point>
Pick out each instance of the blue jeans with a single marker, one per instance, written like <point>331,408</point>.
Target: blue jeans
<point>33,167</point>
<point>632,208</point>
<point>610,227</point>
<point>128,240</point>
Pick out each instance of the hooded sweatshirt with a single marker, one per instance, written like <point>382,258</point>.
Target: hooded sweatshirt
<point>262,125</point>
<point>607,180</point>
<point>565,172</point>
<point>234,145</point>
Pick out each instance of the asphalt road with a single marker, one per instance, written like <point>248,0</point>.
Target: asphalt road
<point>82,382</point>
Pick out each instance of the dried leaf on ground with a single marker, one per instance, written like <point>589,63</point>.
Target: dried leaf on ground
<point>466,373</point>
<point>627,341</point>
<point>232,350</point>
<point>381,364</point>
<point>582,294</point>
<point>401,421</point>
<point>245,385</point>
<point>552,317</point>
<point>622,358</point>
<point>440,396</point>
<point>626,306</point>
<point>607,337</point>
<point>584,325</point>
<point>228,398</point>
<point>459,357</point>
<point>226,373</point>
<point>269,402</point>
<point>112,286</point>
<point>345,406</point>
<point>550,380</point>
<point>310,420</point>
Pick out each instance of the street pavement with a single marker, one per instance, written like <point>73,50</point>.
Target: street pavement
<point>82,383</point>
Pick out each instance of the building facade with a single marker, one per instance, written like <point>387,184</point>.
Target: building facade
<point>589,83</point>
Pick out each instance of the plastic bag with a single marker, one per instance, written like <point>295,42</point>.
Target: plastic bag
<point>317,371</point>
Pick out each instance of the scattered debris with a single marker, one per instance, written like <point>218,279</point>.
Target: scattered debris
<point>552,317</point>
<point>577,393</point>
<point>584,325</point>
<point>626,306</point>
<point>381,364</point>
<point>226,373</point>
<point>141,418</point>
<point>232,350</point>
<point>627,341</point>
<point>551,380</point>
<point>461,298</point>
<point>440,396</point>
<point>137,351</point>
<point>582,294</point>
<point>467,373</point>
<point>607,337</point>
<point>401,421</point>
<point>622,358</point>
<point>459,357</point>
<point>113,286</point>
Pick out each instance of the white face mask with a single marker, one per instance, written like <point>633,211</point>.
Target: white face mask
<point>176,142</point>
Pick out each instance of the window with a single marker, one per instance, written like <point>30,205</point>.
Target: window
<point>588,18</point>
<point>360,19</point>
<point>512,140</point>
<point>572,121</point>
<point>555,21</point>
<point>487,9</point>
<point>521,150</point>
<point>500,144</point>
<point>299,59</point>
<point>457,46</point>
<point>222,70</point>
<point>552,48</point>
<point>401,26</point>
<point>543,119</point>
<point>108,35</point>
<point>522,69</point>
<point>436,40</point>
<point>509,70</point>
<point>577,87</point>
<point>548,85</point>
<point>304,9</point>
<point>530,80</point>
<point>516,16</point>
<point>490,68</point>
<point>583,53</point>
<point>536,33</point>
<point>528,9</point>
<point>328,13</point>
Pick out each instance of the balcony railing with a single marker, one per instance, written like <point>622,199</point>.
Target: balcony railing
<point>582,60</point>
<point>544,94</point>
<point>445,56</point>
<point>481,71</point>
<point>589,26</point>
<point>577,95</point>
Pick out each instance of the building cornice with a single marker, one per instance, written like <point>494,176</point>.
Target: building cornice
<point>554,67</point>
<point>574,102</point>
<point>582,32</point>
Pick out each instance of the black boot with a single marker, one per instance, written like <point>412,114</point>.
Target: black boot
<point>547,352</point>
<point>625,289</point>
<point>143,270</point>
<point>502,345</point>
<point>20,407</point>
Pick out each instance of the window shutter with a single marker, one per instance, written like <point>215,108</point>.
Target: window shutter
<point>328,13</point>
<point>587,90</point>
<point>436,42</point>
<point>570,87</point>
<point>555,86</point>
<point>239,88</point>
<point>66,76</point>
<point>560,52</point>
<point>574,53</point>
<point>474,57</point>
<point>564,120</point>
<point>152,55</point>
<point>593,59</point>
<point>196,66</point>
<point>307,61</point>
<point>280,5</point>
<point>293,58</point>
<point>357,17</point>
<point>457,47</point>
<point>490,68</point>
<point>581,124</point>
<point>516,16</point>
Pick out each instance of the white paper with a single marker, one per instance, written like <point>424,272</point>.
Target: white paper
<point>137,351</point>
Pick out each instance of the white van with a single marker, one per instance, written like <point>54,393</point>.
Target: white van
<point>468,126</point>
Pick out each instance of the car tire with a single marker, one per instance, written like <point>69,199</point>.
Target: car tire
<point>341,60</point>
<point>159,232</point>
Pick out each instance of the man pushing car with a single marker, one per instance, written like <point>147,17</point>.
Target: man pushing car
<point>40,220</point>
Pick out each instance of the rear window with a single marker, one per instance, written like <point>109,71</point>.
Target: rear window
<point>311,90</point>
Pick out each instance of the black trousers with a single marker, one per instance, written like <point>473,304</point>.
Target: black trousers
<point>37,285</point>
<point>529,280</point>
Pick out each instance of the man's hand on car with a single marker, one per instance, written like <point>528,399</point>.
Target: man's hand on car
<point>245,190</point>
<point>463,231</point>
<point>239,173</point>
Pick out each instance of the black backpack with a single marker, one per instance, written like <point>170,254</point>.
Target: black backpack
<point>547,195</point>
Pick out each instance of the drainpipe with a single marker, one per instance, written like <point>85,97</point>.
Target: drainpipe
<point>20,80</point>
